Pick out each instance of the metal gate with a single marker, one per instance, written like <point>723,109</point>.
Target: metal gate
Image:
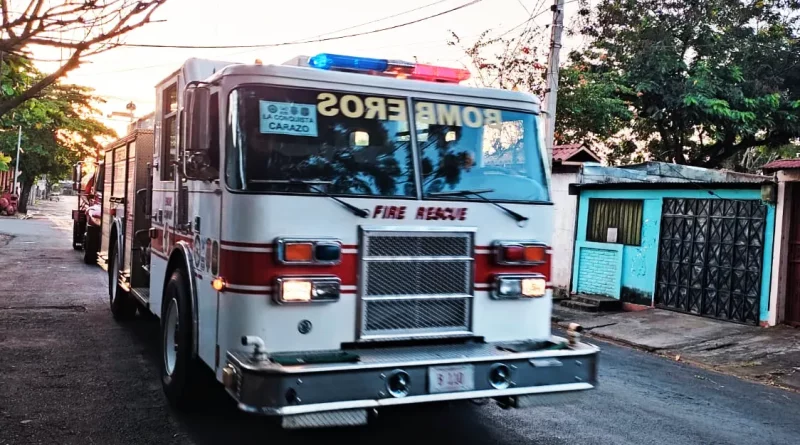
<point>710,258</point>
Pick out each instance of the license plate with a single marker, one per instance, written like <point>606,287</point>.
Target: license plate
<point>451,378</point>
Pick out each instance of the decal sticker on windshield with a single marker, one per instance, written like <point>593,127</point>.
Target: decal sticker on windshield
<point>288,118</point>
<point>455,115</point>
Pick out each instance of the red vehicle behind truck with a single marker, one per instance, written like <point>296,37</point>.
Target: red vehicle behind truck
<point>87,181</point>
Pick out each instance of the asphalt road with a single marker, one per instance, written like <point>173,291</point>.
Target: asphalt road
<point>69,374</point>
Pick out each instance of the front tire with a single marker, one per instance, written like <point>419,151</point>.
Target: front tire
<point>123,306</point>
<point>181,374</point>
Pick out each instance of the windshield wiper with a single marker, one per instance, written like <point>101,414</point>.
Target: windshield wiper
<point>479,194</point>
<point>311,184</point>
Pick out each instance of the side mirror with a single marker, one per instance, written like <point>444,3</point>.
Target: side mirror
<point>196,103</point>
<point>76,177</point>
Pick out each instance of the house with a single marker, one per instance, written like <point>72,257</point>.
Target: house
<point>566,169</point>
<point>681,238</point>
<point>785,283</point>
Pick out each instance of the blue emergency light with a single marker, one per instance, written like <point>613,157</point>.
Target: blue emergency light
<point>385,67</point>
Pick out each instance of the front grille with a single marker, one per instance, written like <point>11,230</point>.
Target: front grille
<point>415,283</point>
<point>417,277</point>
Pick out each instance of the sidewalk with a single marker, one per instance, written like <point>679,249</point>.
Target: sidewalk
<point>769,355</point>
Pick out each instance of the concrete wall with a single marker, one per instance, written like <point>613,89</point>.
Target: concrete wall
<point>599,269</point>
<point>777,294</point>
<point>564,230</point>
<point>637,274</point>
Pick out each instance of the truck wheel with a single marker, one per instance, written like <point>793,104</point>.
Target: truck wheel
<point>90,241</point>
<point>123,306</point>
<point>181,375</point>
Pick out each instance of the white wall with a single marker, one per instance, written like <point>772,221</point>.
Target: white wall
<point>564,229</point>
<point>780,251</point>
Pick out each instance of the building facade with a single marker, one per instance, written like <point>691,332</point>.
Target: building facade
<point>567,165</point>
<point>680,238</point>
<point>785,283</point>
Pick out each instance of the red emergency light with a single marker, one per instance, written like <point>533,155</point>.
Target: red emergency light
<point>385,67</point>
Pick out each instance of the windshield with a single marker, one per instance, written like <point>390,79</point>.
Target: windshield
<point>467,148</point>
<point>355,144</point>
<point>347,144</point>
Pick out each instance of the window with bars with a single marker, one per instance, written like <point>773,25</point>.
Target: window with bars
<point>615,221</point>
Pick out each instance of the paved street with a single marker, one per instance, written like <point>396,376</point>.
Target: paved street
<point>69,374</point>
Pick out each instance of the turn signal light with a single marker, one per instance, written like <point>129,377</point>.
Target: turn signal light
<point>299,252</point>
<point>218,284</point>
<point>535,254</point>
<point>310,251</point>
<point>520,253</point>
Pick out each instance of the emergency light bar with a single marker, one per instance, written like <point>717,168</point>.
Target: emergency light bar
<point>385,67</point>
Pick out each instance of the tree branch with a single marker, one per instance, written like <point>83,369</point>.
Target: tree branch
<point>103,23</point>
<point>9,104</point>
<point>4,7</point>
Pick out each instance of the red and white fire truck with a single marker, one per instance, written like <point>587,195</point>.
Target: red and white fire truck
<point>339,234</point>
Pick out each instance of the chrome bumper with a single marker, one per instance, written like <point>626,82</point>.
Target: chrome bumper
<point>264,387</point>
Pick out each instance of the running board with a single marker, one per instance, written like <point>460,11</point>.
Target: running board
<point>142,294</point>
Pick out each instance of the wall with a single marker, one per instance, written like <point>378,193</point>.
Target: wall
<point>777,296</point>
<point>639,264</point>
<point>565,207</point>
<point>599,269</point>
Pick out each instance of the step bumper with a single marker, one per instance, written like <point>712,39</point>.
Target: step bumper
<point>264,387</point>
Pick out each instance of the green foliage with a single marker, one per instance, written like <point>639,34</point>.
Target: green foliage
<point>713,78</point>
<point>591,104</point>
<point>58,126</point>
<point>4,162</point>
<point>696,81</point>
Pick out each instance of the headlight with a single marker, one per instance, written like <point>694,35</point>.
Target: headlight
<point>519,286</point>
<point>307,289</point>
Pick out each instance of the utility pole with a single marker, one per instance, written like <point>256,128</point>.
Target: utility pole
<point>16,168</point>
<point>551,91</point>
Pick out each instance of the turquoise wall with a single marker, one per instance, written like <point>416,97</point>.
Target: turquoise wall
<point>639,264</point>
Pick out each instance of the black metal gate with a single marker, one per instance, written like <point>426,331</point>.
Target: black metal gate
<point>710,258</point>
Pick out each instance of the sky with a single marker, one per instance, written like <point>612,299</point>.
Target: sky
<point>128,74</point>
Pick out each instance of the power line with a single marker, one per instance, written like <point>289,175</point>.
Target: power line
<point>301,42</point>
<point>419,8</point>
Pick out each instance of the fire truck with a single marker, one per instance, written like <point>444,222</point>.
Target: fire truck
<point>338,234</point>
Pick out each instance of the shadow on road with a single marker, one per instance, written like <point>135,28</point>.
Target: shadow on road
<point>220,421</point>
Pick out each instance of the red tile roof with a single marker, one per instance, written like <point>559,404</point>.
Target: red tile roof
<point>782,164</point>
<point>564,152</point>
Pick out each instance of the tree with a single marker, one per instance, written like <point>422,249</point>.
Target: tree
<point>58,128</point>
<point>591,104</point>
<point>81,27</point>
<point>713,78</point>
<point>4,162</point>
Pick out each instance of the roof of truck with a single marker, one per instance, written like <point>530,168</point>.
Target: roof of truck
<point>383,82</point>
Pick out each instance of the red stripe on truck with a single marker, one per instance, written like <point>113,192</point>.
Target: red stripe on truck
<point>261,268</point>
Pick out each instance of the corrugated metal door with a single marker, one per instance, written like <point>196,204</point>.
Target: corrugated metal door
<point>710,258</point>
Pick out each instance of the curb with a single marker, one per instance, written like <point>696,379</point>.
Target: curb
<point>666,353</point>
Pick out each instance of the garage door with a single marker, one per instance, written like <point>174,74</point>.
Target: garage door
<point>710,258</point>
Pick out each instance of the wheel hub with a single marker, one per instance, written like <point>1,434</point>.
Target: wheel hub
<point>171,326</point>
